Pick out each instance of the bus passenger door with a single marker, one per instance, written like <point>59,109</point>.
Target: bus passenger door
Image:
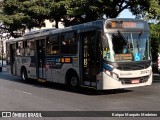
<point>40,58</point>
<point>90,57</point>
<point>12,59</point>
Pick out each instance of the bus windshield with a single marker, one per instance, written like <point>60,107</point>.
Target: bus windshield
<point>127,46</point>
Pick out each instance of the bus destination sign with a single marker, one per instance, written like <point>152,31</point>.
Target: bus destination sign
<point>125,24</point>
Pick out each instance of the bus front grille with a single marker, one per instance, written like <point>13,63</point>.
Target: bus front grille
<point>129,66</point>
<point>130,80</point>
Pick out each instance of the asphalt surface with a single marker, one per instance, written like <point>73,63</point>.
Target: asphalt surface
<point>16,95</point>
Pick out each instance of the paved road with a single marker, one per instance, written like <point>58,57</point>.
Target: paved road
<point>16,95</point>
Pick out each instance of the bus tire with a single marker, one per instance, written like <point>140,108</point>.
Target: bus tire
<point>24,75</point>
<point>73,81</point>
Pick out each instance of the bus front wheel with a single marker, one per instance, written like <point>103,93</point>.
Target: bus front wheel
<point>24,74</point>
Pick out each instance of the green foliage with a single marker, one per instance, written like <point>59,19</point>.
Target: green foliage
<point>22,14</point>
<point>17,15</point>
<point>88,10</point>
<point>155,40</point>
<point>151,11</point>
<point>154,10</point>
<point>155,30</point>
<point>58,10</point>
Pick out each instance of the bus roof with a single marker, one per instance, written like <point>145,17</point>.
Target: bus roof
<point>51,31</point>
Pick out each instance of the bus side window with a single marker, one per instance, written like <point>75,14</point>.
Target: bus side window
<point>20,49</point>
<point>26,48</point>
<point>53,45</point>
<point>17,49</point>
<point>69,43</point>
<point>31,45</point>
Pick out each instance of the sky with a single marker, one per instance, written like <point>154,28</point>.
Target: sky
<point>126,14</point>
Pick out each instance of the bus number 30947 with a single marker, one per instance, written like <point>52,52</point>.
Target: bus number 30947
<point>144,72</point>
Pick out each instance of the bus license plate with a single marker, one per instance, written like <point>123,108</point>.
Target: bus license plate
<point>135,81</point>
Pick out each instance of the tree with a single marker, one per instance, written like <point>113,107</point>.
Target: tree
<point>11,17</point>
<point>21,14</point>
<point>88,10</point>
<point>153,12</point>
<point>155,40</point>
<point>57,11</point>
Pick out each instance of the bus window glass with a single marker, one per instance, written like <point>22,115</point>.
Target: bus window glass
<point>53,45</point>
<point>119,44</point>
<point>20,49</point>
<point>141,46</point>
<point>29,48</point>
<point>26,48</point>
<point>130,46</point>
<point>106,50</point>
<point>69,43</point>
<point>31,45</point>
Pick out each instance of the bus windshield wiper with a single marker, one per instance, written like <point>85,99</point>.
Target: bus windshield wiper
<point>119,32</point>
<point>139,35</point>
<point>126,40</point>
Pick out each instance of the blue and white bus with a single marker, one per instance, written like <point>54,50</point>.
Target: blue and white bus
<point>103,54</point>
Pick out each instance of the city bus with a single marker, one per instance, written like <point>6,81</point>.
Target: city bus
<point>103,54</point>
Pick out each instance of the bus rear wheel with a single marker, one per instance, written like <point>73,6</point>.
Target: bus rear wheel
<point>24,74</point>
<point>73,81</point>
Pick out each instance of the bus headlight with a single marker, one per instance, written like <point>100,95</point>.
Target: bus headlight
<point>115,76</point>
<point>112,74</point>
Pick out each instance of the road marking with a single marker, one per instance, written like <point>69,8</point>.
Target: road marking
<point>23,92</point>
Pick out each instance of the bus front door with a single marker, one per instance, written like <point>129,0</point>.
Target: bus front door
<point>90,58</point>
<point>40,69</point>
